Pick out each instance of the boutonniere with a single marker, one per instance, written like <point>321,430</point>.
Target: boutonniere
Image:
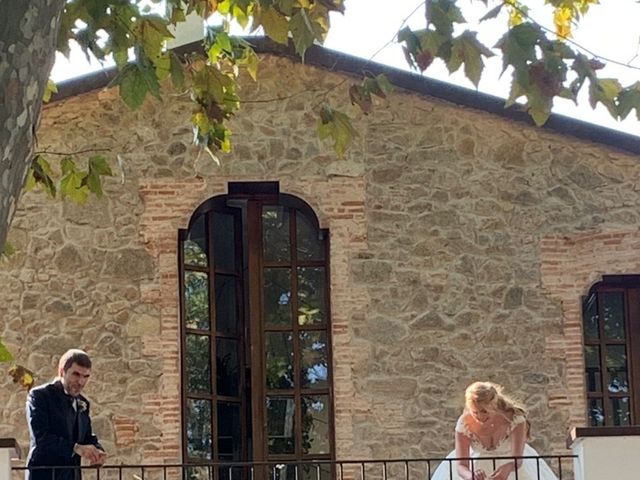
<point>82,406</point>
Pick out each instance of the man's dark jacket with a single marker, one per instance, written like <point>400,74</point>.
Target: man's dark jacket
<point>54,428</point>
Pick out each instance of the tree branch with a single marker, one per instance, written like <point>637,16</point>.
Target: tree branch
<point>68,154</point>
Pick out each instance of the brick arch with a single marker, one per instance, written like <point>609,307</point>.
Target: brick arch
<point>570,265</point>
<point>338,203</point>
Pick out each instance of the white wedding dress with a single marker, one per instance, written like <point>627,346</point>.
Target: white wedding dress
<point>531,469</point>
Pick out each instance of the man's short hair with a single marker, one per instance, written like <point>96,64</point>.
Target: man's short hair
<point>72,356</point>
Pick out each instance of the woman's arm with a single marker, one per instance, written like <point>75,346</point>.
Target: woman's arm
<point>463,445</point>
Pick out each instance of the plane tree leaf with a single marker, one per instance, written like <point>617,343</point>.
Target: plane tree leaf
<point>629,99</point>
<point>467,50</point>
<point>336,125</point>
<point>5,355</point>
<point>22,376</point>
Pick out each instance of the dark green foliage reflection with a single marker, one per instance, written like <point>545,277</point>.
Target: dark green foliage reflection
<point>275,233</point>
<point>198,364</point>
<point>590,317</point>
<point>199,429</point>
<point>280,425</point>
<point>313,362</point>
<point>311,295</point>
<point>277,296</point>
<point>613,311</point>
<point>310,244</point>
<point>315,424</point>
<point>195,245</point>
<point>279,357</point>
<point>196,299</point>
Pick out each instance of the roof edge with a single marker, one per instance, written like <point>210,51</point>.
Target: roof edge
<point>341,62</point>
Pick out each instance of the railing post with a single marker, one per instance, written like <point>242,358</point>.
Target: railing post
<point>9,450</point>
<point>606,453</point>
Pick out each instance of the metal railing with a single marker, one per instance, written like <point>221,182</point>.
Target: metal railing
<point>390,469</point>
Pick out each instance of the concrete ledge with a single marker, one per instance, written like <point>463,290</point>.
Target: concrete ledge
<point>11,444</point>
<point>606,453</point>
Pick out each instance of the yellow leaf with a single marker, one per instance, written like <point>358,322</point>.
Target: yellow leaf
<point>515,13</point>
<point>562,17</point>
<point>252,64</point>
<point>22,375</point>
<point>49,90</point>
<point>27,380</point>
<point>201,121</point>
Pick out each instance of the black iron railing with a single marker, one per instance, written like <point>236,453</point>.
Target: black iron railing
<point>390,469</point>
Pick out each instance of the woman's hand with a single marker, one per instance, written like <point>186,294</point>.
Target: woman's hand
<point>479,475</point>
<point>502,472</point>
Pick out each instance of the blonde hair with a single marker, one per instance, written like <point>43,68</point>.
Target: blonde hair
<point>489,394</point>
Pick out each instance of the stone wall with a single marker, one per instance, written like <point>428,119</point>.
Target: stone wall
<point>454,258</point>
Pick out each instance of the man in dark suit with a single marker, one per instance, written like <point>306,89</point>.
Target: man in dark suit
<point>59,423</point>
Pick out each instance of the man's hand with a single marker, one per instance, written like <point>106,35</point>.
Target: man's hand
<point>92,454</point>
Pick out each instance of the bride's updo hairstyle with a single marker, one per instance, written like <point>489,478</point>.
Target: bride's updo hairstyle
<point>491,396</point>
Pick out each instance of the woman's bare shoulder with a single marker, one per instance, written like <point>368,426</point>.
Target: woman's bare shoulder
<point>462,425</point>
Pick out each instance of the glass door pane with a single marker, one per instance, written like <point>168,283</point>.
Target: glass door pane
<point>212,354</point>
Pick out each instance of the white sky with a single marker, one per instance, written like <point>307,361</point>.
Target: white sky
<point>611,30</point>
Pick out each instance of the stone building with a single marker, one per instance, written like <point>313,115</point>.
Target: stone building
<point>348,302</point>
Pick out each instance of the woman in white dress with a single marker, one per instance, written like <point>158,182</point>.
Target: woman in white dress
<point>492,425</point>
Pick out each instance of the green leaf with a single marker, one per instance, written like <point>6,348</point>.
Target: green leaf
<point>605,91</point>
<point>67,165</point>
<point>224,41</point>
<point>8,250</point>
<point>286,6</point>
<point>337,126</point>
<point>442,14</point>
<point>5,355</point>
<point>275,25</point>
<point>518,45</point>
<point>72,186</point>
<point>43,175</point>
<point>93,183</point>
<point>302,32</point>
<point>515,93</point>
<point>433,43</point>
<point>177,72</point>
<point>538,105</point>
<point>493,13</point>
<point>209,84</point>
<point>468,50</point>
<point>383,82</point>
<point>162,65</point>
<point>409,37</point>
<point>121,58</point>
<point>250,61</point>
<point>539,115</point>
<point>98,164</point>
<point>148,70</point>
<point>98,167</point>
<point>152,32</point>
<point>629,99</point>
<point>133,86</point>
<point>30,181</point>
<point>241,16</point>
